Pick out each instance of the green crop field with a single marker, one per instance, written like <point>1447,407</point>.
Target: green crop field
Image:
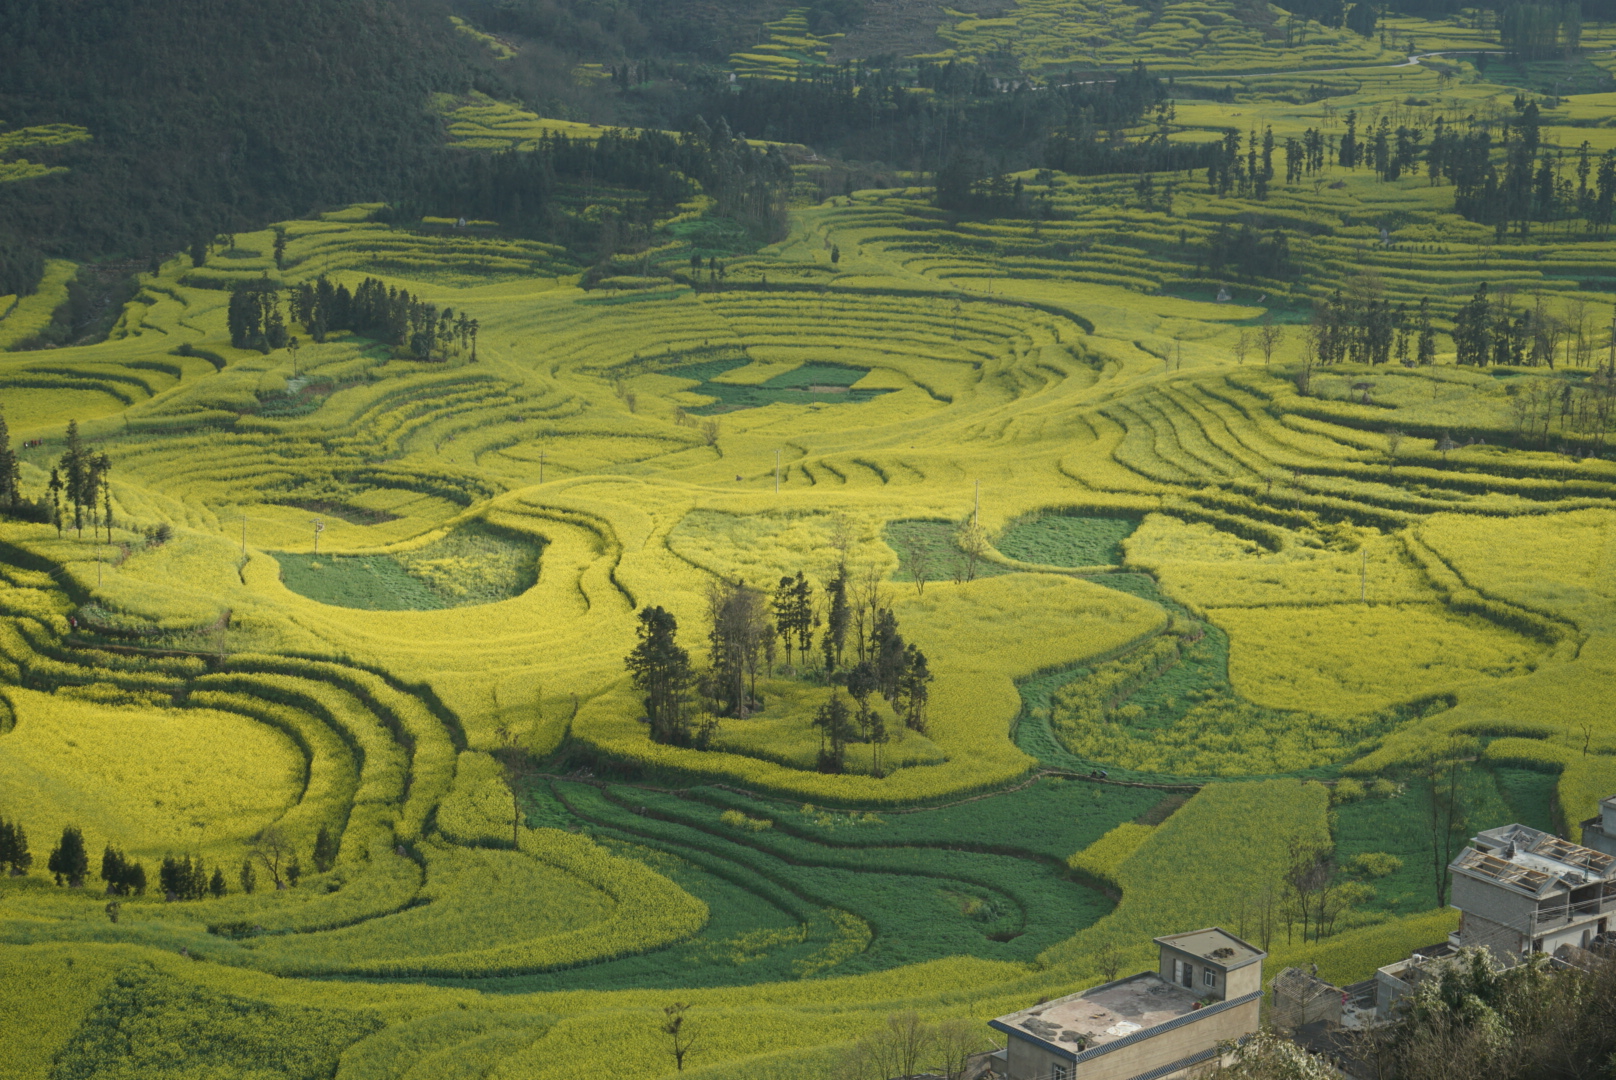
<point>1191,590</point>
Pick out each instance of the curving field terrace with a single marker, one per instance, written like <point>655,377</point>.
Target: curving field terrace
<point>1225,593</point>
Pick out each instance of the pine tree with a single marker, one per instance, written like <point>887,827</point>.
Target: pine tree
<point>837,618</point>
<point>10,471</point>
<point>802,610</point>
<point>890,658</point>
<point>216,886</point>
<point>169,878</point>
<point>54,489</point>
<point>835,727</point>
<point>916,688</point>
<point>75,465</point>
<point>112,871</point>
<point>249,877</point>
<point>14,852</point>
<point>660,670</point>
<point>1425,349</point>
<point>294,872</point>
<point>785,614</point>
<point>69,861</point>
<point>1471,329</point>
<point>325,850</point>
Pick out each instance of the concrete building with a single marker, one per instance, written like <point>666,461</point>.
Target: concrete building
<point>1394,982</point>
<point>1520,891</point>
<point>1207,989</point>
<point>1599,832</point>
<point>1302,998</point>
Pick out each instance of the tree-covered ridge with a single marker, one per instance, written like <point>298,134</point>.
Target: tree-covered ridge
<point>258,113</point>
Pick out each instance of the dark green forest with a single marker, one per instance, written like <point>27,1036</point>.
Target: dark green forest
<point>213,115</point>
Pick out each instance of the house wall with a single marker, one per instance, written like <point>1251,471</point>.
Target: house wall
<point>1028,1060</point>
<point>1289,1014</point>
<point>1198,967</point>
<point>1492,903</point>
<point>1389,990</point>
<point>1244,980</point>
<point>1572,934</point>
<point>1170,1046</point>
<point>1502,940</point>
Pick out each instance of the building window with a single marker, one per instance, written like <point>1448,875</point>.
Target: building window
<point>1057,1072</point>
<point>1209,977</point>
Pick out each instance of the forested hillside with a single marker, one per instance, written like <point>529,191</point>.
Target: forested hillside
<point>212,115</point>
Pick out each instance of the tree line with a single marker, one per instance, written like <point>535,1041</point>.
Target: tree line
<point>183,877</point>
<point>1489,329</point>
<point>846,627</point>
<point>1530,184</point>
<point>520,188</point>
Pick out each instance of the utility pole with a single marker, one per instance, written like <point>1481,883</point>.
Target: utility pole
<point>976,512</point>
<point>777,471</point>
<point>541,466</point>
<point>319,527</point>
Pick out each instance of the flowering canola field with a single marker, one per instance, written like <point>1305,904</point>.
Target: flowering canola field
<point>1297,598</point>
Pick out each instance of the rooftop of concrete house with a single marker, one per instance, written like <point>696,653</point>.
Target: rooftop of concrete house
<point>1104,1014</point>
<point>1533,862</point>
<point>1219,948</point>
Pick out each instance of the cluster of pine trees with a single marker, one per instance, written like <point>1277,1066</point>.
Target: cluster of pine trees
<point>1532,187</point>
<point>1366,328</point>
<point>857,640</point>
<point>520,188</point>
<point>83,477</point>
<point>1248,252</point>
<point>1490,329</point>
<point>15,857</point>
<point>126,877</point>
<point>1540,31</point>
<point>374,309</point>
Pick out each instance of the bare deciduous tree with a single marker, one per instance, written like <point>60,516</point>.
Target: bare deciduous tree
<point>1394,442</point>
<point>1269,335</point>
<point>681,1039</point>
<point>272,849</point>
<point>973,541</point>
<point>917,564</point>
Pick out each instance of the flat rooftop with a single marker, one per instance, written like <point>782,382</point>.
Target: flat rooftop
<point>1217,947</point>
<point>1106,1013</point>
<point>1532,861</point>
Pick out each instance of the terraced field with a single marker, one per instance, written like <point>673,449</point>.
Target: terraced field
<point>1240,602</point>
